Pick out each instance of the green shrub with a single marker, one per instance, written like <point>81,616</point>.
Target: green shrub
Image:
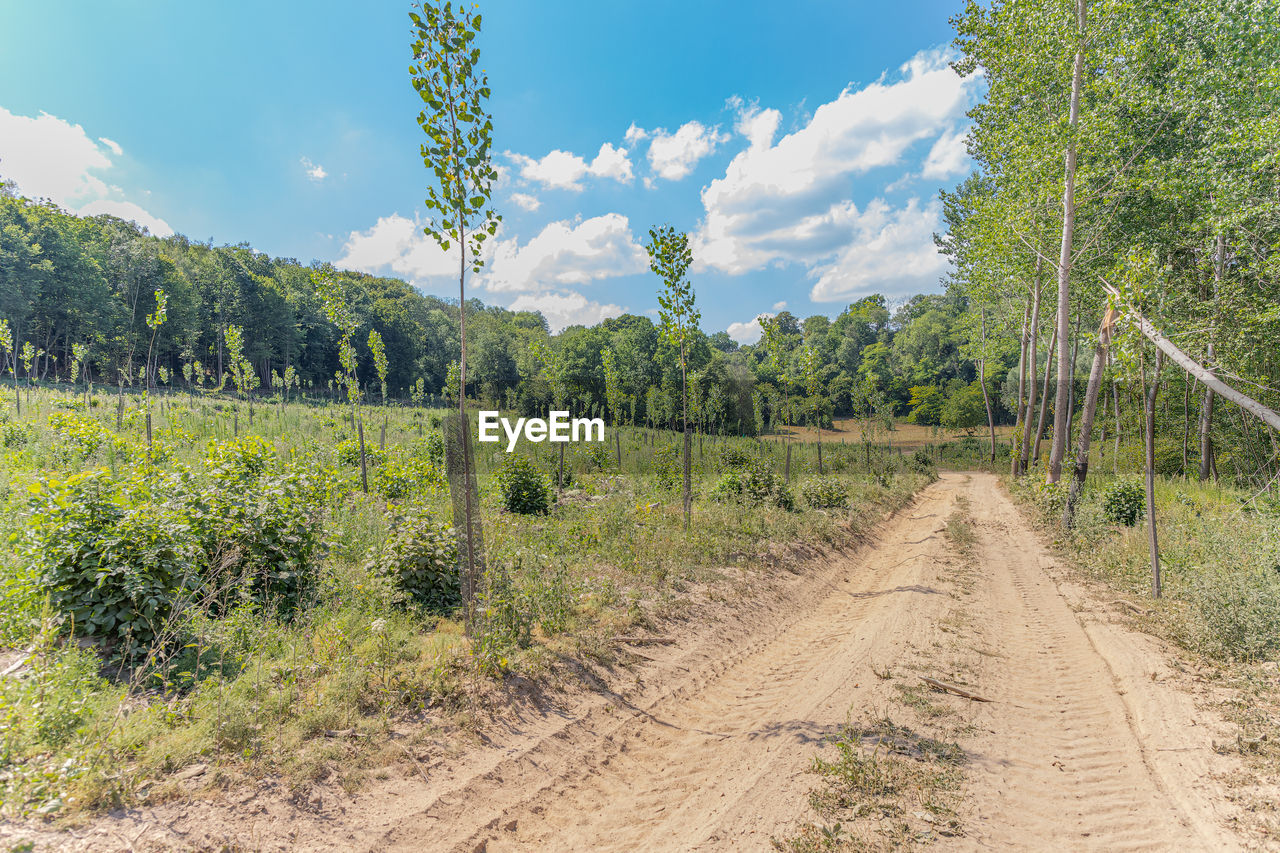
<point>114,557</point>
<point>1239,612</point>
<point>524,488</point>
<point>420,558</point>
<point>756,484</point>
<point>728,489</point>
<point>349,453</point>
<point>921,462</point>
<point>16,436</point>
<point>667,467</point>
<point>733,457</point>
<point>825,493</point>
<point>1124,502</point>
<point>120,557</point>
<point>400,476</point>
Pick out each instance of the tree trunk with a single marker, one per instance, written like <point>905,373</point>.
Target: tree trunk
<point>1021,407</point>
<point>1149,442</point>
<point>1115,452</point>
<point>1206,408</point>
<point>982,380</point>
<point>1044,397</point>
<point>1086,419</point>
<point>688,439</point>
<point>1061,408</point>
<point>1024,449</point>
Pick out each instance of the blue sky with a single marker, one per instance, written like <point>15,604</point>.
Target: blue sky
<point>801,146</point>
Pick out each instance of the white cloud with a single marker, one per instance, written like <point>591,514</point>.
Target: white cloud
<point>564,170</point>
<point>526,201</point>
<point>948,155</point>
<point>789,201</point>
<point>48,157</point>
<point>399,244</point>
<point>892,252</point>
<point>563,253</point>
<point>567,253</point>
<point>780,306</point>
<point>674,155</point>
<point>128,210</point>
<point>566,309</point>
<point>635,134</point>
<point>750,331</point>
<point>315,171</point>
<point>612,163</point>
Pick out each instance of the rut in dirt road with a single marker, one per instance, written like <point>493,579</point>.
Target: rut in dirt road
<point>721,765</point>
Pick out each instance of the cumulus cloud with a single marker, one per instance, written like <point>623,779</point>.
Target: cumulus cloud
<point>788,200</point>
<point>49,157</point>
<point>564,309</point>
<point>892,252</point>
<point>750,331</point>
<point>567,253</point>
<point>526,201</point>
<point>948,156</point>
<point>564,170</point>
<point>563,253</point>
<point>314,171</point>
<point>398,244</point>
<point>674,155</point>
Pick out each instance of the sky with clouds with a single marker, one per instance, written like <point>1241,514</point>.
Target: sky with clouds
<point>801,146</point>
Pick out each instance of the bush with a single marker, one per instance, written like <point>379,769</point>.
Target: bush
<point>728,489</point>
<point>1124,502</point>
<point>400,477</point>
<point>1239,612</point>
<point>667,467</point>
<point>420,559</point>
<point>825,493</point>
<point>349,453</point>
<point>16,435</point>
<point>733,457</point>
<point>121,557</point>
<point>524,488</point>
<point>921,462</point>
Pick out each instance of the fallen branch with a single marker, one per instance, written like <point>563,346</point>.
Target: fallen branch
<point>1135,609</point>
<point>647,641</point>
<point>951,688</point>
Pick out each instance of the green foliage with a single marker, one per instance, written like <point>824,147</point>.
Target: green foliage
<point>926,405</point>
<point>420,558</point>
<point>1124,502</point>
<point>458,150</point>
<point>349,453</point>
<point>666,467</point>
<point>825,493</point>
<point>524,488</point>
<point>400,476</point>
<point>121,556</point>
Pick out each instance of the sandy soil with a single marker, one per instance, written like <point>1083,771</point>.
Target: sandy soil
<point>1093,741</point>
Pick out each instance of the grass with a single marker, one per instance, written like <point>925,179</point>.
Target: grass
<point>253,692</point>
<point>888,787</point>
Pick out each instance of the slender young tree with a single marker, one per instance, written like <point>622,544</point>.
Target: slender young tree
<point>379,360</point>
<point>670,258</point>
<point>459,130</point>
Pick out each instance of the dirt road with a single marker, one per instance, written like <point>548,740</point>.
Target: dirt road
<point>1089,743</point>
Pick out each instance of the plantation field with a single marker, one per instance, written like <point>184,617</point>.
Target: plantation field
<point>906,436</point>
<point>164,599</point>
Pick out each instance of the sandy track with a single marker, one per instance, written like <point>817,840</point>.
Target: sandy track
<point>1090,743</point>
<point>1078,753</point>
